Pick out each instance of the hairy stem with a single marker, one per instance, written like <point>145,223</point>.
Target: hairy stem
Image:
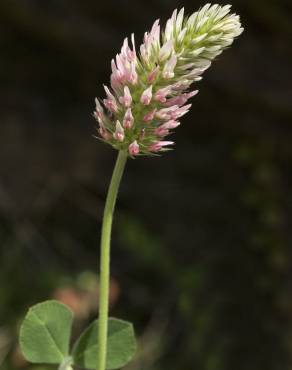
<point>105,258</point>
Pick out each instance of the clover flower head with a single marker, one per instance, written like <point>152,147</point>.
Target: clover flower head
<point>150,88</point>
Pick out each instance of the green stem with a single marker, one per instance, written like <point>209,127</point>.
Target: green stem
<point>105,258</point>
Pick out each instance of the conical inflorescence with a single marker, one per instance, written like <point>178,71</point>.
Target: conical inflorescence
<point>150,89</point>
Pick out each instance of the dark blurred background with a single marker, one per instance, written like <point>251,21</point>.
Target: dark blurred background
<point>201,250</point>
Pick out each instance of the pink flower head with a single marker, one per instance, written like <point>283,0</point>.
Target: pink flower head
<point>149,91</point>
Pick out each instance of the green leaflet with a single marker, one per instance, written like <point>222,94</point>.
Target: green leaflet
<point>45,333</point>
<point>121,345</point>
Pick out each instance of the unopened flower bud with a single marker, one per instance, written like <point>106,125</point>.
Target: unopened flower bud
<point>158,145</point>
<point>128,119</point>
<point>146,96</point>
<point>149,116</point>
<point>162,93</point>
<point>165,51</point>
<point>152,75</point>
<point>126,100</point>
<point>119,133</point>
<point>169,67</point>
<point>134,148</point>
<point>110,102</point>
